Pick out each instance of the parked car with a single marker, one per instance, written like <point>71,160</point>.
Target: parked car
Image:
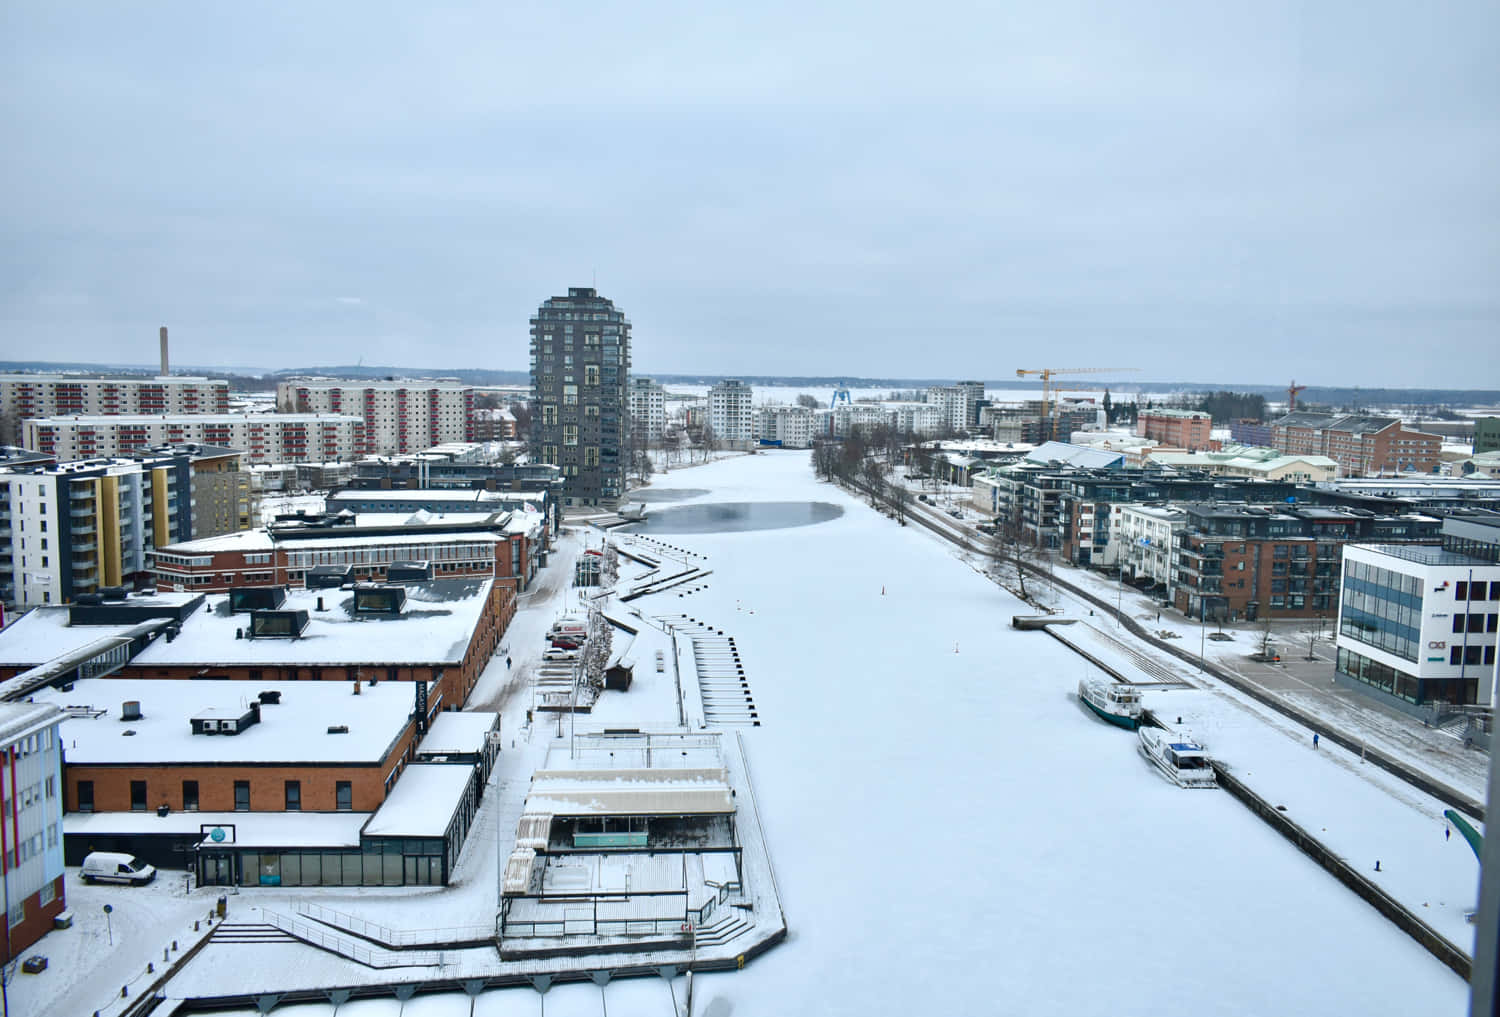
<point>557,653</point>
<point>989,529</point>
<point>924,499</point>
<point>116,867</point>
<point>956,513</point>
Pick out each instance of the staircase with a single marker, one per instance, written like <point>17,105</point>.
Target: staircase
<point>721,674</point>
<point>729,924</point>
<point>250,932</point>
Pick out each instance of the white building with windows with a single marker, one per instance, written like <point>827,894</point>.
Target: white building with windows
<point>792,426</point>
<point>1418,623</point>
<point>399,416</point>
<point>31,793</point>
<point>648,408</point>
<point>49,395</point>
<point>1143,540</point>
<point>260,437</point>
<point>731,412</point>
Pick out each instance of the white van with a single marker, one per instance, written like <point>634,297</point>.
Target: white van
<point>116,867</point>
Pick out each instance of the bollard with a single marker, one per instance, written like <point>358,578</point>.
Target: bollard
<point>195,923</point>
<point>174,944</point>
<point>165,954</point>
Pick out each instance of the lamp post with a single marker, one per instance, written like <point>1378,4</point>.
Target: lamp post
<point>1202,629</point>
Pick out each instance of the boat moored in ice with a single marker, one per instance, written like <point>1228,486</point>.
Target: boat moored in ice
<point>1119,704</point>
<point>1180,759</point>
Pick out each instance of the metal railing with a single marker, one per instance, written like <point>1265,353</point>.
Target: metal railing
<point>395,939</point>
<point>370,956</point>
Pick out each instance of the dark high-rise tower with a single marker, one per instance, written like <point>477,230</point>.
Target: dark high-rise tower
<point>580,367</point>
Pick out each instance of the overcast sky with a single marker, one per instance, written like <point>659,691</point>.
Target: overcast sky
<point>1204,191</point>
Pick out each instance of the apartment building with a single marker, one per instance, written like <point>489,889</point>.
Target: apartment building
<point>52,395</point>
<point>1256,463</point>
<point>83,526</point>
<point>1362,445</point>
<point>1142,542</point>
<point>31,853</point>
<point>261,437</point>
<point>399,416</point>
<point>1184,429</point>
<point>731,413</point>
<point>1236,561</point>
<point>1486,435</point>
<point>957,405</point>
<point>786,426</point>
<point>580,368</point>
<point>1417,624</point>
<point>648,409</point>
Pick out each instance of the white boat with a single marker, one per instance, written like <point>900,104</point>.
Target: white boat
<point>1119,704</point>
<point>1182,760</point>
<point>633,513</point>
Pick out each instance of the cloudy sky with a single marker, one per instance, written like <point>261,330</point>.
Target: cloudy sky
<point>1204,191</point>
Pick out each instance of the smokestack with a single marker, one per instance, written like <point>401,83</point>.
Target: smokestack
<point>164,369</point>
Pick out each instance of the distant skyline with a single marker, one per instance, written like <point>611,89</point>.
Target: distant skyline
<point>1210,193</point>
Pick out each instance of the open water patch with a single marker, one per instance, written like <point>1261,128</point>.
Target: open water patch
<point>737,517</point>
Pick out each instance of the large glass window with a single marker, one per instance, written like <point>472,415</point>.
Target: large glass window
<point>294,796</point>
<point>343,796</point>
<point>190,796</point>
<point>85,796</point>
<point>137,796</point>
<point>242,796</point>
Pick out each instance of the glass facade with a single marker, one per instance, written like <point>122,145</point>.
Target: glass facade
<point>393,861</point>
<point>1382,608</point>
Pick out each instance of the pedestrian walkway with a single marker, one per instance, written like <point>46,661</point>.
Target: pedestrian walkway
<point>722,682</point>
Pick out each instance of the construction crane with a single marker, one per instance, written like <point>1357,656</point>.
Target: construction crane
<point>1048,372</point>
<point>1291,395</point>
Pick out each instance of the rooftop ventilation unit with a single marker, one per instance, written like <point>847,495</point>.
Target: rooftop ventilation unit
<point>269,698</point>
<point>216,721</point>
<point>326,577</point>
<point>379,600</point>
<point>409,572</point>
<point>256,598</point>
<point>130,709</point>
<point>277,624</point>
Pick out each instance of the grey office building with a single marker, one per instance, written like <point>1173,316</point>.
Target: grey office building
<point>580,367</point>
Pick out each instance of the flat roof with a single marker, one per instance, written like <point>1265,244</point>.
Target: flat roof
<point>1425,554</point>
<point>134,419</point>
<point>45,633</point>
<point>424,801</point>
<point>457,731</point>
<point>434,627</point>
<point>18,719</point>
<point>242,829</point>
<point>292,731</point>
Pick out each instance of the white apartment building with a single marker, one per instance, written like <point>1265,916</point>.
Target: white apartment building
<point>399,416</point>
<point>1142,541</point>
<point>730,412</point>
<point>261,437</point>
<point>52,395</point>
<point>648,408</point>
<point>957,405</point>
<point>31,793</point>
<point>792,426</point>
<point>1418,623</point>
<point>921,419</point>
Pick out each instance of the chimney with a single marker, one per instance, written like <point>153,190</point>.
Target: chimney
<point>164,369</point>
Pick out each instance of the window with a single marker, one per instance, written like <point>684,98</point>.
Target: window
<point>591,458</point>
<point>1461,590</point>
<point>190,796</point>
<point>1458,623</point>
<point>590,377</point>
<point>137,796</point>
<point>343,796</point>
<point>570,434</point>
<point>242,796</point>
<point>85,796</point>
<point>1456,656</point>
<point>294,796</point>
<point>51,787</point>
<point>17,913</point>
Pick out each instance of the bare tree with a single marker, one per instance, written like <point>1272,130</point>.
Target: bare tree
<point>1013,556</point>
<point>872,473</point>
<point>900,501</point>
<point>708,441</point>
<point>811,402</point>
<point>522,412</point>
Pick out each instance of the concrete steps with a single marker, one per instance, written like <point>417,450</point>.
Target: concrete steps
<point>250,932</point>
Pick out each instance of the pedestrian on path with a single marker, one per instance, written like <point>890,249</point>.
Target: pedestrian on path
<point>507,663</point>
<point>1447,832</point>
<point>1315,739</point>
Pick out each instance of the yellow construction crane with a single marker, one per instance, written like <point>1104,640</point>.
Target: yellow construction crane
<point>1048,372</point>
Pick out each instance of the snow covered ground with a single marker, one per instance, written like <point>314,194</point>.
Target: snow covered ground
<point>951,832</point>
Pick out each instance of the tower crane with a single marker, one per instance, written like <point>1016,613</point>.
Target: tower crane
<point>1291,395</point>
<point>1048,372</point>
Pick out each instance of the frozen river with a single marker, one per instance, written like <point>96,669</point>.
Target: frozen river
<point>953,834</point>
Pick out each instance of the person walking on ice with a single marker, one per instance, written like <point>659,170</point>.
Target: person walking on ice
<point>1315,739</point>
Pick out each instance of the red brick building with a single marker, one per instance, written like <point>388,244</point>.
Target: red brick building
<point>1362,445</point>
<point>501,546</point>
<point>1185,429</point>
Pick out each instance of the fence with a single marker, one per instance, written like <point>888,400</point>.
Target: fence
<point>370,956</point>
<point>396,939</point>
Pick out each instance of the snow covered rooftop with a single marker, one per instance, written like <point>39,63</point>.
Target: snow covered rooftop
<point>633,775</point>
<point>424,801</point>
<point>456,732</point>
<point>293,730</point>
<point>247,829</point>
<point>434,628</point>
<point>46,633</point>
